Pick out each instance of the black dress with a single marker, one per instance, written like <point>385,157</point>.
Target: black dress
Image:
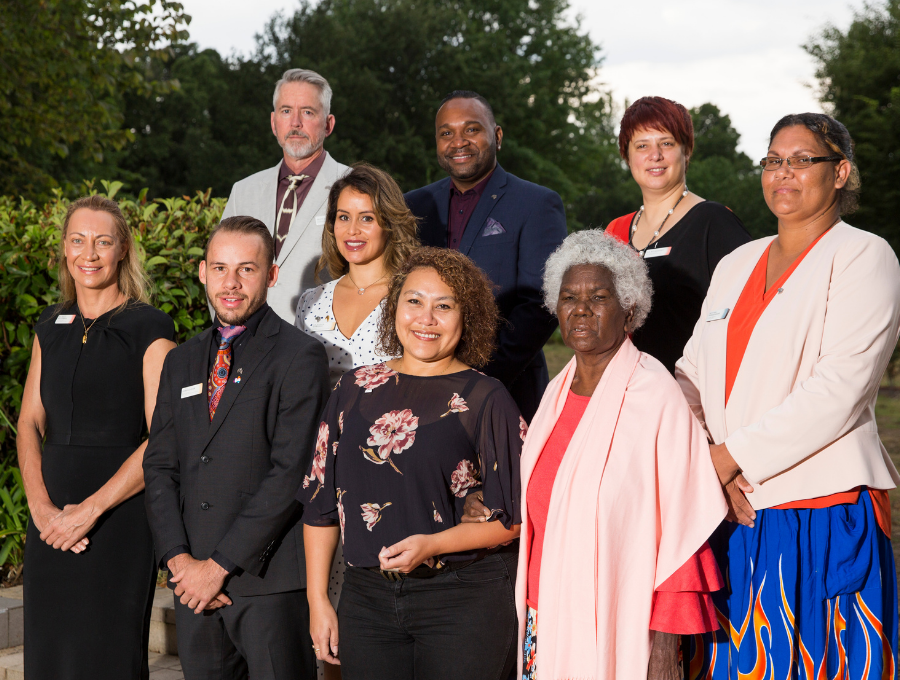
<point>87,616</point>
<point>706,234</point>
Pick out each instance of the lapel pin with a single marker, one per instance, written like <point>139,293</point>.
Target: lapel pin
<point>240,370</point>
<point>238,379</point>
<point>494,196</point>
<point>781,290</point>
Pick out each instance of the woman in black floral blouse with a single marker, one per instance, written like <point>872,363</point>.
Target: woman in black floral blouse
<point>401,445</point>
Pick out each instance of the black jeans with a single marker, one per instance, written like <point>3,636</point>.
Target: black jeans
<point>459,625</point>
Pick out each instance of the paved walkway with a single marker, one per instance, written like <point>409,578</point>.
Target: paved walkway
<point>162,667</point>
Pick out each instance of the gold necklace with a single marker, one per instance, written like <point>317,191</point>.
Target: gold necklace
<point>87,328</point>
<point>360,290</point>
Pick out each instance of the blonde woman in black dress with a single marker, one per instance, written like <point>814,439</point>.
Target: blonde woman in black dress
<point>95,366</point>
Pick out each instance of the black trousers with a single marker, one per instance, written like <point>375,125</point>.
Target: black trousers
<point>460,625</point>
<point>265,637</point>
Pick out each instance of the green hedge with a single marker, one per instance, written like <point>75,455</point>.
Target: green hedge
<point>170,235</point>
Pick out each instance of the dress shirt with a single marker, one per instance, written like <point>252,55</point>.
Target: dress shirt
<point>462,205</point>
<point>283,220</point>
<point>237,348</point>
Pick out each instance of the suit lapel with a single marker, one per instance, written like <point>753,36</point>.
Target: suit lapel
<point>198,372</point>
<point>493,192</point>
<point>255,351</point>
<point>269,194</point>
<point>313,202</point>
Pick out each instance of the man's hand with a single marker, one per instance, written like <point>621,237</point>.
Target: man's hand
<point>739,508</point>
<point>67,530</point>
<point>199,582</point>
<point>474,509</point>
<point>408,553</point>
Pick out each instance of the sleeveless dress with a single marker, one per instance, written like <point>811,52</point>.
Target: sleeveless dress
<point>87,616</point>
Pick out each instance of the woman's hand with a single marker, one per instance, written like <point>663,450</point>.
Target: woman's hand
<point>664,658</point>
<point>408,553</point>
<point>42,514</point>
<point>68,529</point>
<point>734,485</point>
<point>323,629</point>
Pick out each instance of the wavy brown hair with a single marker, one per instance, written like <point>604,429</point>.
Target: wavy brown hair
<point>132,279</point>
<point>391,213</point>
<point>473,293</point>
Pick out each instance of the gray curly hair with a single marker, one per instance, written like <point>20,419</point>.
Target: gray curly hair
<point>594,246</point>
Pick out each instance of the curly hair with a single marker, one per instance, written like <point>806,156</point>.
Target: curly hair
<point>832,134</point>
<point>473,293</point>
<point>391,214</point>
<point>634,291</point>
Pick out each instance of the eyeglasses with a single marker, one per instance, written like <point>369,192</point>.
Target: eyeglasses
<point>795,162</point>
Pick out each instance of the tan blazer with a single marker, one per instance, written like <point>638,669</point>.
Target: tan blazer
<point>800,420</point>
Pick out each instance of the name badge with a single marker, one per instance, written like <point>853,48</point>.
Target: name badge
<point>320,220</point>
<point>65,318</point>
<point>717,315</point>
<point>657,252</point>
<point>192,390</point>
<point>322,326</point>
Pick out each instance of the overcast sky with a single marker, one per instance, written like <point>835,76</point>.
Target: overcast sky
<point>742,55</point>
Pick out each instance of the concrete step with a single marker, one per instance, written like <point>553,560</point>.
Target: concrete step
<point>162,624</point>
<point>162,666</point>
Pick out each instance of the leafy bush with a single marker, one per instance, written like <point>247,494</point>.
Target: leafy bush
<point>170,234</point>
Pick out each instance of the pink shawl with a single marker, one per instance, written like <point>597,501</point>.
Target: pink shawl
<point>635,496</point>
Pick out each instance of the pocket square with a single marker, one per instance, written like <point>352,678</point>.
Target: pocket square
<point>492,228</point>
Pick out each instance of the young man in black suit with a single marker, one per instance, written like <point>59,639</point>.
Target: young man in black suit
<point>232,435</point>
<point>506,225</point>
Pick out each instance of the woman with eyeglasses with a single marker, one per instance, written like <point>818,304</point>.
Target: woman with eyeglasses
<point>681,236</point>
<point>794,336</point>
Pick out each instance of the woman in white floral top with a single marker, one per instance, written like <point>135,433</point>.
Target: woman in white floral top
<point>400,446</point>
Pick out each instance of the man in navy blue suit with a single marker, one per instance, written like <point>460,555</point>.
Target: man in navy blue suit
<point>506,225</point>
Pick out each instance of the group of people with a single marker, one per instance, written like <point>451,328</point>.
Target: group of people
<point>362,464</point>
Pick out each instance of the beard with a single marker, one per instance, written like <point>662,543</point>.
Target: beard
<point>478,166</point>
<point>299,146</point>
<point>237,317</point>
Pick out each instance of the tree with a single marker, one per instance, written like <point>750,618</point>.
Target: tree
<point>721,173</point>
<point>390,62</point>
<point>859,84</point>
<point>64,66</point>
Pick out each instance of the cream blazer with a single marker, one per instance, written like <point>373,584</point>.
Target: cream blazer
<point>800,420</point>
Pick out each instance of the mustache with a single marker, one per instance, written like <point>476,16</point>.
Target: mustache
<point>296,133</point>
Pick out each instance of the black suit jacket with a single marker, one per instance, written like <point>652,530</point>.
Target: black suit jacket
<point>532,224</point>
<point>229,485</point>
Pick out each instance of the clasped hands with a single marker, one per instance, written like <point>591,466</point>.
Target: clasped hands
<point>66,529</point>
<point>198,583</point>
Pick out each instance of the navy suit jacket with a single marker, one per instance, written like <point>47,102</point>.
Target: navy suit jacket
<point>513,230</point>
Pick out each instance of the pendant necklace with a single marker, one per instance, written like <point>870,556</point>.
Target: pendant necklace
<point>87,328</point>
<point>656,233</point>
<point>359,289</point>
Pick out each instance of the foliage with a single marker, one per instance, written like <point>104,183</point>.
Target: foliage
<point>13,517</point>
<point>721,173</point>
<point>859,81</point>
<point>64,67</point>
<point>170,235</point>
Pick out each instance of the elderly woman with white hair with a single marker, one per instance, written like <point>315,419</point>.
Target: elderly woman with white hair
<point>621,491</point>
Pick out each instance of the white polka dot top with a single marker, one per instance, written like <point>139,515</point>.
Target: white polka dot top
<point>315,317</point>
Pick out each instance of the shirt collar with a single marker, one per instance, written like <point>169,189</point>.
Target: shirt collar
<point>477,190</point>
<point>311,170</point>
<point>252,323</point>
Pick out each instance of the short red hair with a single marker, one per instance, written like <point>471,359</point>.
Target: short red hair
<point>661,114</point>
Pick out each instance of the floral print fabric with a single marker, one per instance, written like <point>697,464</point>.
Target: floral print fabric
<point>405,451</point>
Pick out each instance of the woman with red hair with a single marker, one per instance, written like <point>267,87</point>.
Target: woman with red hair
<point>680,235</point>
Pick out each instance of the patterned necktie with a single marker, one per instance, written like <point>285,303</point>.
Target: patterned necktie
<point>219,374</point>
<point>286,216</point>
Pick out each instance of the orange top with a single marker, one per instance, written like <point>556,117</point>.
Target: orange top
<point>749,308</point>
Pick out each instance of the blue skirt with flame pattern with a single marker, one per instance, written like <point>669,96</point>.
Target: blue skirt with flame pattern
<point>810,594</point>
